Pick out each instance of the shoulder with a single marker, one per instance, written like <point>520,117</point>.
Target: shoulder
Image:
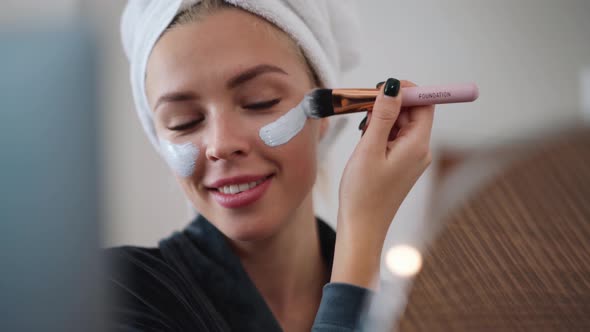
<point>131,259</point>
<point>131,267</point>
<point>142,274</point>
<point>144,289</point>
<point>150,292</point>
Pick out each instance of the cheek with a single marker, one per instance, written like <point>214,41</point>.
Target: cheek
<point>300,152</point>
<point>301,136</point>
<point>181,158</point>
<point>284,128</point>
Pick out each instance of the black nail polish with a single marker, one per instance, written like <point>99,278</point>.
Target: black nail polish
<point>362,124</point>
<point>378,86</point>
<point>391,87</point>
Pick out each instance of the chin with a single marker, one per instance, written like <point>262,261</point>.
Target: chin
<point>250,230</point>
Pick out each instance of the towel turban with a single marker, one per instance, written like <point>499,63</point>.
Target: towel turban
<point>325,30</point>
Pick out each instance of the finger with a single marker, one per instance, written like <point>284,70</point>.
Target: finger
<point>415,126</point>
<point>421,119</point>
<point>365,121</point>
<point>407,84</point>
<point>393,133</point>
<point>366,124</point>
<point>384,114</point>
<point>402,121</point>
<point>404,118</point>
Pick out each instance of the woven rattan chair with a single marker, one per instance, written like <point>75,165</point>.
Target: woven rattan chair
<point>516,255</point>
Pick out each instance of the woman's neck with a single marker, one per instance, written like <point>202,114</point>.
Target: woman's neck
<point>288,268</point>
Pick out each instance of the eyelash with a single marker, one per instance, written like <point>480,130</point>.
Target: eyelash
<point>185,126</point>
<point>256,106</point>
<point>263,105</point>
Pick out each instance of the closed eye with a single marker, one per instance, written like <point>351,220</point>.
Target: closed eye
<point>185,126</point>
<point>262,105</point>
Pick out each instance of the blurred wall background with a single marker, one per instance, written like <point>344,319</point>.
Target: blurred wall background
<point>529,57</point>
<point>50,201</point>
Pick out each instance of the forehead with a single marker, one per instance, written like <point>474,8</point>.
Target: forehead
<point>219,45</point>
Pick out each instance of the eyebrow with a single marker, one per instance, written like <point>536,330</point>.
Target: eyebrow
<point>175,97</point>
<point>253,72</point>
<point>235,81</point>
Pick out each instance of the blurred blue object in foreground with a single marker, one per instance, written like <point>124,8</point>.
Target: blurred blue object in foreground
<point>49,233</point>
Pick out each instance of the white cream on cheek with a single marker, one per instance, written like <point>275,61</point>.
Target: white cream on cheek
<point>287,126</point>
<point>181,158</point>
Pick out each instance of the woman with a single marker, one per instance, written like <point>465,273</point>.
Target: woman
<point>257,259</point>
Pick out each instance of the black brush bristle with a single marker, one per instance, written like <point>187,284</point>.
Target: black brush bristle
<point>320,103</point>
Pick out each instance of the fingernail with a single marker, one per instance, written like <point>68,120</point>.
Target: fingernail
<point>378,86</point>
<point>391,87</point>
<point>362,124</point>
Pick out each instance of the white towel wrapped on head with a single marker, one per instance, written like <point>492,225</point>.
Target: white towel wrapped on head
<point>326,31</point>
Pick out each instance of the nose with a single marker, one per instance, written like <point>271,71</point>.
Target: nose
<point>226,140</point>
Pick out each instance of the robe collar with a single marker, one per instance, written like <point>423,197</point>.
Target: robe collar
<point>203,256</point>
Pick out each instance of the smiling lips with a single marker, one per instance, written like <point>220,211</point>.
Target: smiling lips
<point>240,191</point>
<point>238,188</point>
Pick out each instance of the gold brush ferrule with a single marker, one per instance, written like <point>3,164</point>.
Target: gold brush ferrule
<point>353,100</point>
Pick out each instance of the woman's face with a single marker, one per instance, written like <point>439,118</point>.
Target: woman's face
<point>213,84</point>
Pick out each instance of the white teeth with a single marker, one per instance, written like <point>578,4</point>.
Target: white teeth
<point>233,189</point>
<point>238,188</point>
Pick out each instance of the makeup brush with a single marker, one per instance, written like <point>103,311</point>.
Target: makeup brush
<point>321,103</point>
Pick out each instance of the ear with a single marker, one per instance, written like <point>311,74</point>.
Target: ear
<point>324,125</point>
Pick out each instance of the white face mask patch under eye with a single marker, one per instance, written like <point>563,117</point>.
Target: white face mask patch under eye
<point>286,127</point>
<point>181,158</point>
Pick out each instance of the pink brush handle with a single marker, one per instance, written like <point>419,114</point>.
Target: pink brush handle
<point>439,94</point>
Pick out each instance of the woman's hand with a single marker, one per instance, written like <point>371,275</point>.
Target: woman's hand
<point>390,157</point>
